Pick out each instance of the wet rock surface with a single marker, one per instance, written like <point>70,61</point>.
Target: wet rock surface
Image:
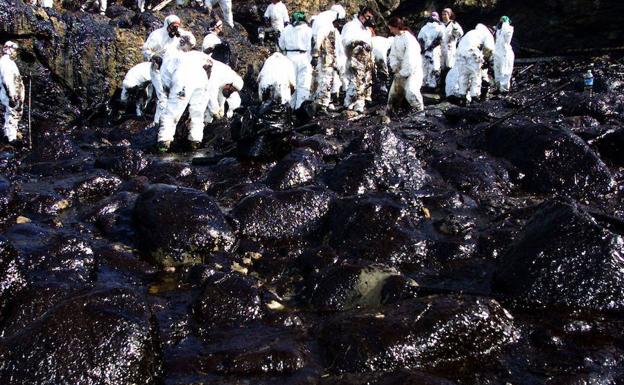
<point>440,248</point>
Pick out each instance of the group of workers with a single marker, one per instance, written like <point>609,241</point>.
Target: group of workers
<point>316,61</point>
<point>324,59</point>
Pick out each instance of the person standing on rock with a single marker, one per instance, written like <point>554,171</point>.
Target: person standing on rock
<point>276,15</point>
<point>357,38</point>
<point>11,91</point>
<point>430,38</point>
<point>296,43</point>
<point>327,53</point>
<point>503,55</point>
<point>474,49</point>
<point>406,63</point>
<point>155,48</point>
<point>452,33</point>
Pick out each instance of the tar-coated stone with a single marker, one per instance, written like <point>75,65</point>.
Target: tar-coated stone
<point>123,161</point>
<point>282,215</point>
<point>228,300</point>
<point>102,337</point>
<point>610,146</point>
<point>7,195</point>
<point>431,333</point>
<point>565,257</point>
<point>380,161</point>
<point>552,160</point>
<point>176,225</point>
<point>297,168</point>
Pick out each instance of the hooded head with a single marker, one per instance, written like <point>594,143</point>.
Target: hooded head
<point>10,48</point>
<point>172,23</point>
<point>340,11</point>
<point>435,16</point>
<point>298,17</point>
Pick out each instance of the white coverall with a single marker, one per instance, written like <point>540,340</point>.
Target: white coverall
<point>278,15</point>
<point>226,8</point>
<point>406,63</point>
<point>296,41</point>
<point>431,35</point>
<point>330,51</point>
<point>473,49</point>
<point>324,21</point>
<point>277,73</point>
<point>138,80</point>
<point>327,17</point>
<point>451,84</point>
<point>11,92</point>
<point>503,57</point>
<point>221,75</point>
<point>452,33</point>
<point>188,85</point>
<point>381,48</point>
<point>357,40</point>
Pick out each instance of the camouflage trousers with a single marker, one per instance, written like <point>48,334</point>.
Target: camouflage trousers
<point>360,74</point>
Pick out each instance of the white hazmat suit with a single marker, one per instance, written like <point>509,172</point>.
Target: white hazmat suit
<point>277,79</point>
<point>11,91</point>
<point>381,49</point>
<point>329,50</point>
<point>406,63</point>
<point>277,15</point>
<point>188,86</point>
<point>357,40</point>
<point>430,37</point>
<point>296,42</point>
<point>138,83</point>
<point>473,50</point>
<point>220,76</point>
<point>452,33</point>
<point>503,57</point>
<point>324,22</point>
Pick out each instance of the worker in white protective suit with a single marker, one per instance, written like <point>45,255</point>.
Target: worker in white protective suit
<point>11,91</point>
<point>327,53</point>
<point>503,55</point>
<point>137,85</point>
<point>430,38</point>
<point>223,87</point>
<point>452,33</point>
<point>95,6</point>
<point>381,49</point>
<point>213,39</point>
<point>296,43</point>
<point>277,79</point>
<point>158,45</point>
<point>406,64</point>
<point>357,40</point>
<point>276,15</point>
<point>325,18</point>
<point>187,85</point>
<point>474,49</point>
<point>226,9</point>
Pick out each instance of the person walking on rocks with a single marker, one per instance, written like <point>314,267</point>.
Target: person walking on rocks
<point>11,91</point>
<point>406,63</point>
<point>357,39</point>
<point>296,43</point>
<point>430,38</point>
<point>276,15</point>
<point>503,55</point>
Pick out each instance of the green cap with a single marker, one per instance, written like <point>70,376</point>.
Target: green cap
<point>505,19</point>
<point>298,17</point>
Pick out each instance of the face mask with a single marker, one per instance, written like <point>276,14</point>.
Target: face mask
<point>369,22</point>
<point>173,31</point>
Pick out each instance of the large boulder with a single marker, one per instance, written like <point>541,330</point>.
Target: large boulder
<point>379,161</point>
<point>297,168</point>
<point>283,215</point>
<point>553,160</point>
<point>432,332</point>
<point>103,337</point>
<point>176,225</point>
<point>610,146</point>
<point>565,257</point>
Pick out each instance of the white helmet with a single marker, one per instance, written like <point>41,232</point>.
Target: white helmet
<point>171,19</point>
<point>339,9</point>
